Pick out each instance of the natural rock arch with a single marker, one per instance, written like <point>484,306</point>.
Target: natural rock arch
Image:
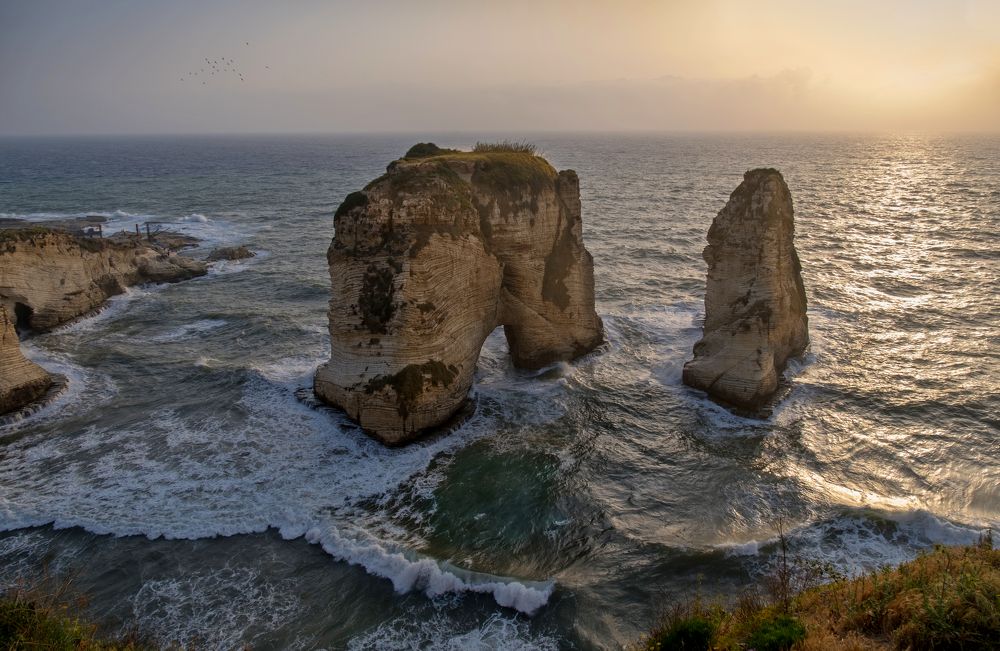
<point>428,259</point>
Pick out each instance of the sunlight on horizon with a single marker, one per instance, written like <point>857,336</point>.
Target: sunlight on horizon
<point>443,65</point>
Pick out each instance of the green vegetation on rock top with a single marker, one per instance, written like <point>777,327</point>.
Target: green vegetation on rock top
<point>426,150</point>
<point>499,163</point>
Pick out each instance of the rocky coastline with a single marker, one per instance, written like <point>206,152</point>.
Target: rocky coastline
<point>50,276</point>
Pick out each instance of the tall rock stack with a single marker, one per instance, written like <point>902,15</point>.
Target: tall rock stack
<point>21,380</point>
<point>432,256</point>
<point>755,302</point>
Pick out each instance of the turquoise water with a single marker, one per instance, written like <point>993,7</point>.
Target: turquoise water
<point>193,493</point>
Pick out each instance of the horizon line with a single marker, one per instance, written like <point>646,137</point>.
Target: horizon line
<point>506,132</point>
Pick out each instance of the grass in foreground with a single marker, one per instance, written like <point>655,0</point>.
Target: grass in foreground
<point>946,599</point>
<point>43,617</point>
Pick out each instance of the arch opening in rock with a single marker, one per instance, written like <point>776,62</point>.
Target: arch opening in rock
<point>428,259</point>
<point>22,319</point>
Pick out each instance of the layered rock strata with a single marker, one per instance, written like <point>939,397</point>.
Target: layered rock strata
<point>21,380</point>
<point>755,302</point>
<point>428,259</point>
<point>48,277</point>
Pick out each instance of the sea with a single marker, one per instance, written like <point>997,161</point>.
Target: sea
<point>188,486</point>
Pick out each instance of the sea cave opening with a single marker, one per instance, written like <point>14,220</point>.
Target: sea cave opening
<point>22,319</point>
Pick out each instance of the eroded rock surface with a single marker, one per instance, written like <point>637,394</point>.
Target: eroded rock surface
<point>21,380</point>
<point>755,302</point>
<point>428,259</point>
<point>49,277</point>
<point>230,253</point>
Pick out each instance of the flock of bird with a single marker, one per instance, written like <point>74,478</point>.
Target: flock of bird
<point>212,67</point>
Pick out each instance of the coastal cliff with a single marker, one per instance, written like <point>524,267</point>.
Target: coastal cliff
<point>428,259</point>
<point>755,302</point>
<point>21,380</point>
<point>49,277</point>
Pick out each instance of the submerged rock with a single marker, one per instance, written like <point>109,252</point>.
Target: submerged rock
<point>230,253</point>
<point>21,380</point>
<point>49,277</point>
<point>428,260</point>
<point>755,302</point>
<point>173,241</point>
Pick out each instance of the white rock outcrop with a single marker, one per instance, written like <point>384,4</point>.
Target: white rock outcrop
<point>21,380</point>
<point>755,302</point>
<point>432,256</point>
<point>50,277</point>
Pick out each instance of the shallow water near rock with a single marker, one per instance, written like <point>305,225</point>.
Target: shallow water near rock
<point>191,493</point>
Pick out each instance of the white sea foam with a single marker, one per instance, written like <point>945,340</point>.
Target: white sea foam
<point>863,540</point>
<point>22,552</point>
<point>84,388</point>
<point>289,466</point>
<point>113,308</point>
<point>224,609</point>
<point>439,633</point>
<point>427,575</point>
<point>226,267</point>
<point>188,330</point>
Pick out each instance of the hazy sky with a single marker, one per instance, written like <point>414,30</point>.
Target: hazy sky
<point>441,65</point>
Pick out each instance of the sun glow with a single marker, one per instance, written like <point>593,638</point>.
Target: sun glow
<point>554,64</point>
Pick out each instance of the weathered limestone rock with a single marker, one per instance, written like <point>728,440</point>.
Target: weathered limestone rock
<point>428,260</point>
<point>230,253</point>
<point>21,381</point>
<point>755,303</point>
<point>49,277</point>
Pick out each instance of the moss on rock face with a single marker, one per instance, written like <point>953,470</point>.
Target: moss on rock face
<point>376,298</point>
<point>557,267</point>
<point>351,201</point>
<point>409,382</point>
<point>504,172</point>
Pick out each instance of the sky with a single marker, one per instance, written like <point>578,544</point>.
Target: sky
<point>117,66</point>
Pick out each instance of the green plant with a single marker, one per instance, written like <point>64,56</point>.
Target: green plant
<point>692,634</point>
<point>44,616</point>
<point>426,150</point>
<point>778,633</point>
<point>686,627</point>
<point>506,147</point>
<point>352,201</point>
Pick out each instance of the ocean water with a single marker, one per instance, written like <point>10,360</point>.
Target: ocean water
<point>188,488</point>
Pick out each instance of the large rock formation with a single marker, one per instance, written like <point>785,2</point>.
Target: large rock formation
<point>755,303</point>
<point>21,381</point>
<point>48,277</point>
<point>432,256</point>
